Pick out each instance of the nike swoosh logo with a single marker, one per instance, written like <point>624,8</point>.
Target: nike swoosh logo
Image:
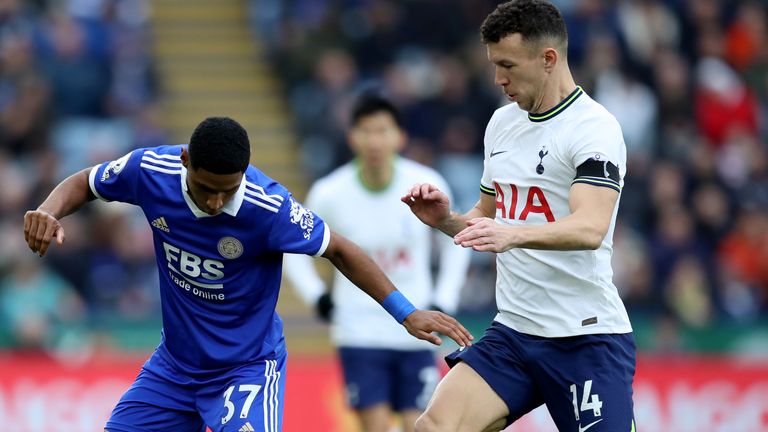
<point>582,429</point>
<point>498,152</point>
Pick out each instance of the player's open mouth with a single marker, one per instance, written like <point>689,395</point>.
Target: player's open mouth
<point>511,97</point>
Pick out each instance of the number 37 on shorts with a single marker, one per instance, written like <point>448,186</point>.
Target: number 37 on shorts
<point>251,403</point>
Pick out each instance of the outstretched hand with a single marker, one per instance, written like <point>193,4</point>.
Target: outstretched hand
<point>428,203</point>
<point>40,227</point>
<point>422,324</point>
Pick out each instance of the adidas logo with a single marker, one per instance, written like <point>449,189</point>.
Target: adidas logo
<point>247,428</point>
<point>159,223</point>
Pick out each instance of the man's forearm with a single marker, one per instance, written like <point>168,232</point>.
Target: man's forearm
<point>69,195</point>
<point>567,234</point>
<point>360,269</point>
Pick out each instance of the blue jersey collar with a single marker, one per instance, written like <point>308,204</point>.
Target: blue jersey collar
<point>231,208</point>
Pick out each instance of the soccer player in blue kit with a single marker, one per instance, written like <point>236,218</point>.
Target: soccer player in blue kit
<point>220,229</point>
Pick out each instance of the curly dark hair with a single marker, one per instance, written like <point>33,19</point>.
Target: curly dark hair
<point>535,20</point>
<point>220,145</point>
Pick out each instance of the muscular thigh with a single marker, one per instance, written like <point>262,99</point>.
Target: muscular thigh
<point>463,401</point>
<point>248,398</point>
<point>499,358</point>
<point>587,382</point>
<point>155,402</point>
<point>490,385</point>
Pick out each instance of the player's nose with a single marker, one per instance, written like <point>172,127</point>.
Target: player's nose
<point>215,201</point>
<point>500,78</point>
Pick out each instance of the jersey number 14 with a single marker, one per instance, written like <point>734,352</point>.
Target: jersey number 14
<point>589,401</point>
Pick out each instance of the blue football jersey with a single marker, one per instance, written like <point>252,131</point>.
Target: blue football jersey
<point>219,275</point>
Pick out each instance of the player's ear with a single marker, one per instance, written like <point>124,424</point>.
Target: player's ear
<point>184,157</point>
<point>550,57</point>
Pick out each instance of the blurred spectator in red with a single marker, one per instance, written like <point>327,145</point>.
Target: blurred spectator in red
<point>744,252</point>
<point>722,102</point>
<point>745,35</point>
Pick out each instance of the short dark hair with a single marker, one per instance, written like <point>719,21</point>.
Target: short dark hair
<point>220,145</point>
<point>535,20</point>
<point>371,103</point>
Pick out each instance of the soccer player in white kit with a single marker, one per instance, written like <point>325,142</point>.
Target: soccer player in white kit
<point>384,371</point>
<point>553,171</point>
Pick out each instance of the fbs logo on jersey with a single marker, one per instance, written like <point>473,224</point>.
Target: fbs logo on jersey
<point>247,428</point>
<point>160,224</point>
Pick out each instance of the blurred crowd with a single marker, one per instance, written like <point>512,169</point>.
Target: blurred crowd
<point>76,87</point>
<point>687,80</point>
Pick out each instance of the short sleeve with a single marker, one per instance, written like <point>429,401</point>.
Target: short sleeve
<point>600,140</point>
<point>486,182</point>
<point>117,180</point>
<point>298,230</point>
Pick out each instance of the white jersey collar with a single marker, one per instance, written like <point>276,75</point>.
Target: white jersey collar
<point>231,208</point>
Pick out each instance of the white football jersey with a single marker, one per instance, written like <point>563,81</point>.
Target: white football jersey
<point>398,242</point>
<point>530,164</point>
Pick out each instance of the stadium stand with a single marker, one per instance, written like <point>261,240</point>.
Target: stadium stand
<point>85,81</point>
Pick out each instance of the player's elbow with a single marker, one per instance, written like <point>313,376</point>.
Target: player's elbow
<point>593,245</point>
<point>593,238</point>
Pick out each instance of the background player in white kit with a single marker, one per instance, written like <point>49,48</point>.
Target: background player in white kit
<point>385,370</point>
<point>553,171</point>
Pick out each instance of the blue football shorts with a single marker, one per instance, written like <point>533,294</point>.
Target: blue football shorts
<point>246,398</point>
<point>585,381</point>
<point>404,380</point>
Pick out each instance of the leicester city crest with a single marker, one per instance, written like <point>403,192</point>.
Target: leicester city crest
<point>230,247</point>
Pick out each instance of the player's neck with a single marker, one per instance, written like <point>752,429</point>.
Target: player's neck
<point>376,179</point>
<point>556,91</point>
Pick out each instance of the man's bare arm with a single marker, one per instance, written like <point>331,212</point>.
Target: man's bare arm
<point>42,225</point>
<point>592,209</point>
